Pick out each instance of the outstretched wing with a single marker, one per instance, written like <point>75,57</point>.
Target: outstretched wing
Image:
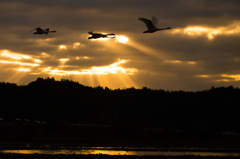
<point>148,23</point>
<point>39,29</point>
<point>154,21</point>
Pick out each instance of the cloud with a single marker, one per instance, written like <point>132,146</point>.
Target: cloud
<point>210,33</point>
<point>102,70</point>
<point>17,59</point>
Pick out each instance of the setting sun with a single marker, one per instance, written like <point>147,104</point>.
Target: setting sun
<point>122,39</point>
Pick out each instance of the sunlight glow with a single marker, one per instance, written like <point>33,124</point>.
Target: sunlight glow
<point>101,39</point>
<point>202,76</point>
<point>224,80</point>
<point>70,152</point>
<point>147,50</point>
<point>223,77</point>
<point>16,59</point>
<point>191,62</point>
<point>173,61</point>
<point>62,47</point>
<point>122,39</point>
<point>76,44</point>
<point>44,55</point>
<point>18,63</point>
<point>232,77</point>
<point>233,28</point>
<point>176,31</point>
<point>64,60</point>
<point>23,69</point>
<point>82,57</point>
<point>113,69</point>
<point>179,62</point>
<point>6,53</point>
<point>101,70</point>
<point>37,60</point>
<point>195,30</point>
<point>201,30</point>
<point>113,75</point>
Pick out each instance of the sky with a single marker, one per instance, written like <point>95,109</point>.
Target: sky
<point>200,51</point>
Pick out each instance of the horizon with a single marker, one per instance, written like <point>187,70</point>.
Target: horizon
<point>125,88</point>
<point>200,51</point>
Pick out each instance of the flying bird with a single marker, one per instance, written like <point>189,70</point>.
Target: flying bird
<point>100,35</point>
<point>42,31</point>
<point>152,25</point>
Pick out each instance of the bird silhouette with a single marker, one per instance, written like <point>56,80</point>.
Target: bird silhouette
<point>152,25</point>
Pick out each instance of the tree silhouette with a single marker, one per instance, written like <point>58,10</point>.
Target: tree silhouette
<point>68,101</point>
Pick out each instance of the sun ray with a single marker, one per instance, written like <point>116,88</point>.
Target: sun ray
<point>147,50</point>
<point>102,80</point>
<point>16,77</point>
<point>126,81</point>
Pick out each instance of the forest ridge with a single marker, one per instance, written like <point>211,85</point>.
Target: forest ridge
<point>66,101</point>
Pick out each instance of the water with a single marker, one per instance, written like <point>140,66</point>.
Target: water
<point>119,152</point>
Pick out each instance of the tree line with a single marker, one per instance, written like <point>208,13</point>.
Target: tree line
<point>66,101</point>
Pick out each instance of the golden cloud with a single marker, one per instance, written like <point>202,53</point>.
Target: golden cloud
<point>16,59</point>
<point>209,31</point>
<point>235,77</point>
<point>101,70</point>
<point>179,62</point>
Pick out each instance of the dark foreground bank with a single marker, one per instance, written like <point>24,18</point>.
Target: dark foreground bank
<point>205,113</point>
<point>37,136</point>
<point>37,156</point>
<point>52,114</point>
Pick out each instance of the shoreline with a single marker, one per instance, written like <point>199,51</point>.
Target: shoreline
<point>111,151</point>
<point>61,156</point>
<point>163,149</point>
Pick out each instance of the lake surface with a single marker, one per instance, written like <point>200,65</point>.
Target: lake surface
<point>106,151</point>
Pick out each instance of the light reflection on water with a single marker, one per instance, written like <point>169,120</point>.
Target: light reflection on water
<point>119,152</point>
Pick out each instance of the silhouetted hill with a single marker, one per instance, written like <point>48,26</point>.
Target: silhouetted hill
<point>47,100</point>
